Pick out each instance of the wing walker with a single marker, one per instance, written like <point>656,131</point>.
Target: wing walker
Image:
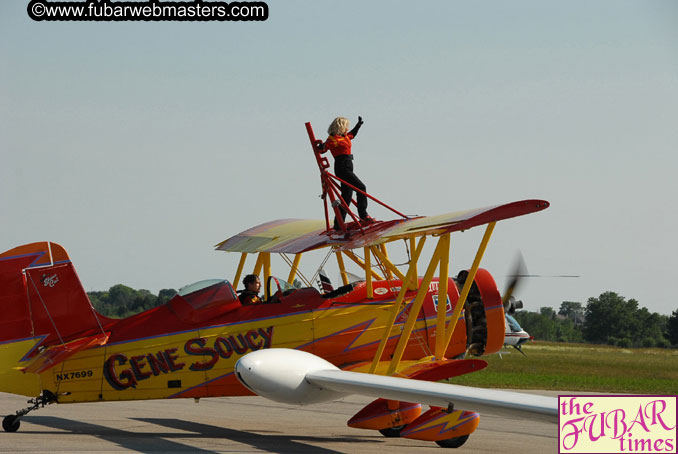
<point>390,333</point>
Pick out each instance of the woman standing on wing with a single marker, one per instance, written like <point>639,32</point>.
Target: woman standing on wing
<point>339,143</point>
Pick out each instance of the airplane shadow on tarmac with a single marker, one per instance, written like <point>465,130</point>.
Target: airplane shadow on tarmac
<point>170,441</point>
<point>266,442</point>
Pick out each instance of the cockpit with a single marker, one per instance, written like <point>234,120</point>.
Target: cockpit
<point>513,324</point>
<point>278,287</point>
<point>204,300</point>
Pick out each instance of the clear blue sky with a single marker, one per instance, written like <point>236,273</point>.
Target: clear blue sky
<point>138,146</point>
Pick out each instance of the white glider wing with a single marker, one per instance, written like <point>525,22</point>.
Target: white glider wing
<point>429,393</point>
<point>297,377</point>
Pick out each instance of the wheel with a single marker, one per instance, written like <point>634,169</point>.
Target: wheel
<point>11,423</point>
<point>453,442</point>
<point>391,432</point>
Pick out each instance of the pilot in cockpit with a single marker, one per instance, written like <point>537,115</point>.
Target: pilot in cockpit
<point>250,295</point>
<point>252,286</point>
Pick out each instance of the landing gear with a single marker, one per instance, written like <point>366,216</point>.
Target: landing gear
<point>11,423</point>
<point>391,432</point>
<point>453,442</point>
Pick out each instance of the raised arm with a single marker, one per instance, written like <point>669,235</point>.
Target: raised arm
<point>356,128</point>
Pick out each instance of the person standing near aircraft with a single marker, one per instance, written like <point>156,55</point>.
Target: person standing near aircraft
<point>339,143</point>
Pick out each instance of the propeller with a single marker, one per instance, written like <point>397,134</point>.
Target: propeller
<point>518,271</point>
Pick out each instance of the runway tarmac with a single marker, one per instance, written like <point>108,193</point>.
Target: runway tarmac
<point>243,425</point>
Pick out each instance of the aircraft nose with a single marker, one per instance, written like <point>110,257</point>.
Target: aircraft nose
<point>243,371</point>
<point>279,374</point>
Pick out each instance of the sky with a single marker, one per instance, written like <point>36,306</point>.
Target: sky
<point>138,146</point>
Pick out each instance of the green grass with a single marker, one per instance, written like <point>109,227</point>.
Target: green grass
<point>580,367</point>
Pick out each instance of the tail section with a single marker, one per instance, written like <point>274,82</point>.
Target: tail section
<point>43,304</point>
<point>42,296</point>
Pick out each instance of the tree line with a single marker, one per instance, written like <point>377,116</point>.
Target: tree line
<point>121,301</point>
<point>607,319</point>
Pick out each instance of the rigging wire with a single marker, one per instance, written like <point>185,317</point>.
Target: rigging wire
<point>301,275</point>
<point>382,267</point>
<point>46,310</point>
<point>322,265</point>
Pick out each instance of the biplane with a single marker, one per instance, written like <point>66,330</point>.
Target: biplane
<point>392,335</point>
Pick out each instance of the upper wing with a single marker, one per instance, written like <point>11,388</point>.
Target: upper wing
<point>283,235</point>
<point>301,235</point>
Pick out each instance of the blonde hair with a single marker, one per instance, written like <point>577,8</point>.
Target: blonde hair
<point>338,127</point>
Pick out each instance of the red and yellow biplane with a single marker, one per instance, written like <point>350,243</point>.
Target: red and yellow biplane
<point>389,335</point>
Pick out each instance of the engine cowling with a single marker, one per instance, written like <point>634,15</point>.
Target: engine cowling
<point>279,375</point>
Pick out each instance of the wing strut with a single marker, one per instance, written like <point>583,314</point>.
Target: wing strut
<point>390,268</point>
<point>368,274</point>
<point>362,265</point>
<point>342,267</point>
<point>440,259</point>
<point>467,285</point>
<point>241,265</point>
<point>441,346</point>
<point>411,276</point>
<point>416,306</point>
<point>295,268</point>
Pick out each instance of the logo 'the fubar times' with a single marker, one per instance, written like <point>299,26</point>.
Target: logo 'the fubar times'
<point>617,424</point>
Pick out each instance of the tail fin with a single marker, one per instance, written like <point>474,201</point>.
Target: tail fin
<point>41,296</point>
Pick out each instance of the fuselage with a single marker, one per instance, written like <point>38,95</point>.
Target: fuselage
<point>189,346</point>
<point>515,334</point>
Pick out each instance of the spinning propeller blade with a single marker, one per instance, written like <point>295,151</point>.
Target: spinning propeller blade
<point>519,270</point>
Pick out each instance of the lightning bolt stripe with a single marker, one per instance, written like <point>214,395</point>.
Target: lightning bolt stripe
<point>38,256</point>
<point>444,426</point>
